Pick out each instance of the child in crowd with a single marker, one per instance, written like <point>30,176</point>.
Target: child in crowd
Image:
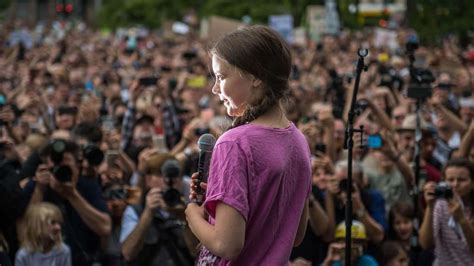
<point>40,237</point>
<point>336,251</point>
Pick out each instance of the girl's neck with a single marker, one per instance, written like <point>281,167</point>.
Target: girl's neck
<point>274,117</point>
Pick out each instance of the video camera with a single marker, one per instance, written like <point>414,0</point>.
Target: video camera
<point>420,87</point>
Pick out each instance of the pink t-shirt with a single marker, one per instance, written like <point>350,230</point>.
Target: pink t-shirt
<point>265,174</point>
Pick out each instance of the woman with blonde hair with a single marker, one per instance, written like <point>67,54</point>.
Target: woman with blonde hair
<point>40,237</point>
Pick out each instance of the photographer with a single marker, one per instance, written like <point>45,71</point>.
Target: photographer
<point>368,203</point>
<point>153,231</point>
<point>58,180</point>
<point>448,219</point>
<point>359,257</point>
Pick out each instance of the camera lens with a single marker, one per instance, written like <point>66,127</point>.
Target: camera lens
<point>172,197</point>
<point>93,155</point>
<point>443,191</point>
<point>62,173</point>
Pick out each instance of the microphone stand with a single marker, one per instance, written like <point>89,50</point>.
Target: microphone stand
<point>349,145</point>
<point>418,135</point>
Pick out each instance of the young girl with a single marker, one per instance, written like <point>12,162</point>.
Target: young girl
<point>401,230</point>
<point>392,253</point>
<point>40,237</point>
<point>260,173</point>
<point>448,223</point>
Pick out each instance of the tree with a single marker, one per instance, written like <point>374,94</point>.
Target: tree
<point>435,18</point>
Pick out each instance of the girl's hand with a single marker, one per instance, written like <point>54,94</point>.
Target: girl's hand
<point>195,192</point>
<point>195,210</point>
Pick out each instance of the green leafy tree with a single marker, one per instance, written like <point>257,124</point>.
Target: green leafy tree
<point>434,18</point>
<point>150,13</point>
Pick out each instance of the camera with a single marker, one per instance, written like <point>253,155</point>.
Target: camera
<point>321,147</point>
<point>443,191</point>
<point>93,154</point>
<point>343,186</point>
<point>148,81</point>
<point>171,171</point>
<point>117,193</point>
<point>362,104</point>
<point>62,173</point>
<point>420,84</point>
<point>421,79</point>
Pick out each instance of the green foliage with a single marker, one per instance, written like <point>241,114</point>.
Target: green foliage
<point>436,18</point>
<point>259,10</point>
<point>431,18</point>
<point>4,4</point>
<point>150,13</point>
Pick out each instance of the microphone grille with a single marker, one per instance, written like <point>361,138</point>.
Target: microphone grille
<point>206,142</point>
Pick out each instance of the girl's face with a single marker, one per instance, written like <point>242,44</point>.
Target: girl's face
<point>53,230</point>
<point>460,180</point>
<point>320,178</point>
<point>233,88</point>
<point>403,227</point>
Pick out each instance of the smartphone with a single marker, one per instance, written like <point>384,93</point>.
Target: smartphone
<point>3,100</point>
<point>159,143</point>
<point>67,110</point>
<point>374,141</point>
<point>321,147</point>
<point>112,157</point>
<point>148,81</point>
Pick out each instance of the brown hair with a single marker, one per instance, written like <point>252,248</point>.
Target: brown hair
<point>401,208</point>
<point>261,52</point>
<point>463,163</point>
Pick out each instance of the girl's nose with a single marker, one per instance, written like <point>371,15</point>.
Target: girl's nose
<point>215,88</point>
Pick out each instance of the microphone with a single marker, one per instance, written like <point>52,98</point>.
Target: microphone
<point>206,144</point>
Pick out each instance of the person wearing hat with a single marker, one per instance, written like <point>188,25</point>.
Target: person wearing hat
<point>336,250</point>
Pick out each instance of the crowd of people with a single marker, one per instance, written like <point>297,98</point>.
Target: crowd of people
<point>99,142</point>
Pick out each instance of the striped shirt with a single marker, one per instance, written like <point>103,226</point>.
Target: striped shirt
<point>451,247</point>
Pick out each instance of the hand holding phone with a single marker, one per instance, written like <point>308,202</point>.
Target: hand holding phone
<point>112,157</point>
<point>374,141</point>
<point>159,143</point>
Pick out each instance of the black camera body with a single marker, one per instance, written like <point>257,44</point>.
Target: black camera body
<point>63,173</point>
<point>420,85</point>
<point>443,191</point>
<point>343,186</point>
<point>171,171</point>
